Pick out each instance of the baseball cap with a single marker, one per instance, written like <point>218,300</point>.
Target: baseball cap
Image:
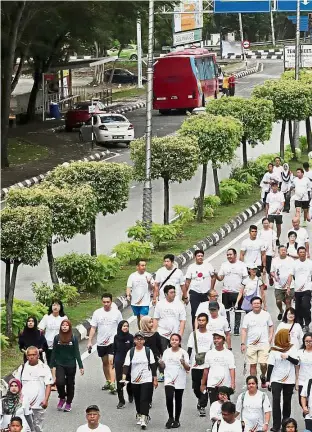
<point>92,408</point>
<point>213,305</point>
<point>219,333</point>
<point>139,335</point>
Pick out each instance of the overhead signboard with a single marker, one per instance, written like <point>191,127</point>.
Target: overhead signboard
<point>305,59</point>
<point>242,6</point>
<point>291,6</point>
<point>188,15</point>
<point>188,37</point>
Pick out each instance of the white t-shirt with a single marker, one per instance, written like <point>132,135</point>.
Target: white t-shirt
<point>227,427</point>
<point>276,201</point>
<point>253,249</point>
<point>283,371</point>
<point>302,236</point>
<point>252,286</point>
<point>169,315</point>
<point>175,374</point>
<point>51,326</point>
<point>296,333</point>
<point>254,407</point>
<point>215,410</point>
<point>308,174</point>
<point>282,268</point>
<point>219,364</point>
<point>302,187</point>
<point>200,276</point>
<point>203,308</point>
<point>177,279</point>
<point>268,237</point>
<point>265,183</point>
<point>302,275</point>
<point>140,372</point>
<point>139,285</point>
<point>21,411</point>
<point>106,324</point>
<point>292,251</point>
<point>100,428</point>
<point>233,274</point>
<point>277,171</point>
<point>204,344</point>
<point>218,324</point>
<point>34,381</point>
<point>305,366</point>
<point>304,393</point>
<point>257,326</point>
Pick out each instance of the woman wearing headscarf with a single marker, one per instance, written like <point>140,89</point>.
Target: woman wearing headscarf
<point>65,356</point>
<point>281,376</point>
<point>14,404</point>
<point>32,336</point>
<point>287,177</point>
<point>152,338</point>
<point>123,341</point>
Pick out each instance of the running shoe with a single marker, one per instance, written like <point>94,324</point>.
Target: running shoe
<point>106,386</point>
<point>277,242</point>
<point>60,404</point>
<point>198,406</point>
<point>68,407</point>
<point>263,381</point>
<point>112,389</point>
<point>169,423</point>
<point>175,425</point>
<point>304,224</point>
<point>138,419</point>
<point>280,316</point>
<point>121,405</point>
<point>144,421</point>
<point>202,412</point>
<point>236,331</point>
<point>161,377</point>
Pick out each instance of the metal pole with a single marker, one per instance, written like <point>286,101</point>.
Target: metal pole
<point>43,98</point>
<point>139,52</point>
<point>242,37</point>
<point>297,67</point>
<point>147,191</point>
<point>272,28</point>
<point>92,127</point>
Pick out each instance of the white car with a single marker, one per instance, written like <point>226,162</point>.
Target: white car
<point>108,128</point>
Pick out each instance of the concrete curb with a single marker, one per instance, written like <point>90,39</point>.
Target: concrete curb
<point>129,108</point>
<point>38,179</point>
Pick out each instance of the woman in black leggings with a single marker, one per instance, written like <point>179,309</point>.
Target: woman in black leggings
<point>175,361</point>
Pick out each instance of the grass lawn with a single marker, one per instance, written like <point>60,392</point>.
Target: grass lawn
<point>11,358</point>
<point>294,164</point>
<point>128,93</point>
<point>21,152</point>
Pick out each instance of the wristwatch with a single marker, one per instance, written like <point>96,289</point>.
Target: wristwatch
<point>184,298</point>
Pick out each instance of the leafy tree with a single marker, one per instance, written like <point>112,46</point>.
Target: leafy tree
<point>291,100</point>
<point>175,159</point>
<point>110,183</point>
<point>256,116</point>
<point>25,234</point>
<point>72,210</point>
<point>218,138</point>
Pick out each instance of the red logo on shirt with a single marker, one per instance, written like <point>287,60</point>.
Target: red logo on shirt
<point>199,275</point>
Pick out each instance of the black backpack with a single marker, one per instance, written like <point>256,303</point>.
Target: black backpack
<point>147,352</point>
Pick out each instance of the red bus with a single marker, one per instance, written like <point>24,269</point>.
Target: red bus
<point>185,80</point>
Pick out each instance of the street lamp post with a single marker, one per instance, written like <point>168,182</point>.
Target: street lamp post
<point>147,191</point>
<point>241,30</point>
<point>139,51</point>
<point>297,68</point>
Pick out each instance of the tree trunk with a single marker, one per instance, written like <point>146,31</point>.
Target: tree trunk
<point>31,109</point>
<point>114,65</point>
<point>9,303</point>
<point>93,239</point>
<point>291,139</point>
<point>51,262</point>
<point>166,201</point>
<point>244,145</point>
<point>309,133</point>
<point>282,139</point>
<point>200,211</point>
<point>7,280</point>
<point>7,65</point>
<point>216,181</point>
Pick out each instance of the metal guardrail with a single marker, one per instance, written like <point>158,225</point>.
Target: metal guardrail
<point>105,95</point>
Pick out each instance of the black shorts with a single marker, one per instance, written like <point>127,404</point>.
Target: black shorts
<point>302,204</point>
<point>105,350</point>
<point>278,219</point>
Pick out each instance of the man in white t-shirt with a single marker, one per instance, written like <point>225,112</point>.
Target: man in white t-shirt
<point>93,419</point>
<point>282,273</point>
<point>232,273</point>
<point>219,368</point>
<point>138,290</point>
<point>204,307</point>
<point>266,181</point>
<point>253,251</point>
<point>36,379</point>
<point>257,334</point>
<point>268,236</point>
<point>302,235</point>
<point>202,344</point>
<point>200,278</point>
<point>302,270</point>
<point>278,168</point>
<point>274,206</point>
<point>105,320</point>
<point>229,422</point>
<point>219,323</point>
<point>169,274</point>
<point>302,186</point>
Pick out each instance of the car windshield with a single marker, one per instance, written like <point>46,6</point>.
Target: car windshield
<point>82,106</point>
<point>112,119</point>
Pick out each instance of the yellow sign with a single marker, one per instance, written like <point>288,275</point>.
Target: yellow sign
<point>188,15</point>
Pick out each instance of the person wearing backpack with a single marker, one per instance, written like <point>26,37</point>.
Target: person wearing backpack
<point>252,286</point>
<point>141,363</point>
<point>253,407</point>
<point>306,402</point>
<point>228,423</point>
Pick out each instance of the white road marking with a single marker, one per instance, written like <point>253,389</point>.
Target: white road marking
<point>132,187</point>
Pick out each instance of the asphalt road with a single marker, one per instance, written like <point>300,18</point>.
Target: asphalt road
<point>111,229</point>
<point>88,387</point>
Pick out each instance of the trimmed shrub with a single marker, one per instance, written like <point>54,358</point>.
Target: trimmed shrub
<point>45,293</point>
<point>241,188</point>
<point>163,234</point>
<point>130,252</point>
<point>228,194</point>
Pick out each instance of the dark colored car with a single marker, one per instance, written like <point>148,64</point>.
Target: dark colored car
<point>122,76</point>
<point>75,117</point>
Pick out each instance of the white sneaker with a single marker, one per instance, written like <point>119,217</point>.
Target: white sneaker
<point>143,422</point>
<point>138,419</point>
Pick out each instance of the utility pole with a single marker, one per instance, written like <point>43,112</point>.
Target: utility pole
<point>272,28</point>
<point>297,67</point>
<point>147,191</point>
<point>139,52</point>
<point>242,37</point>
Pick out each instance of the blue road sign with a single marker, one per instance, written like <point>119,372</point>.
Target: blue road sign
<point>242,6</point>
<point>291,6</point>
<point>304,22</point>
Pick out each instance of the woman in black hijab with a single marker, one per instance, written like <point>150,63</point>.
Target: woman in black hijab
<point>32,336</point>
<point>123,341</point>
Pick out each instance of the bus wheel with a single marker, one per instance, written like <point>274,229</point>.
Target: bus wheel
<point>164,111</point>
<point>203,101</point>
